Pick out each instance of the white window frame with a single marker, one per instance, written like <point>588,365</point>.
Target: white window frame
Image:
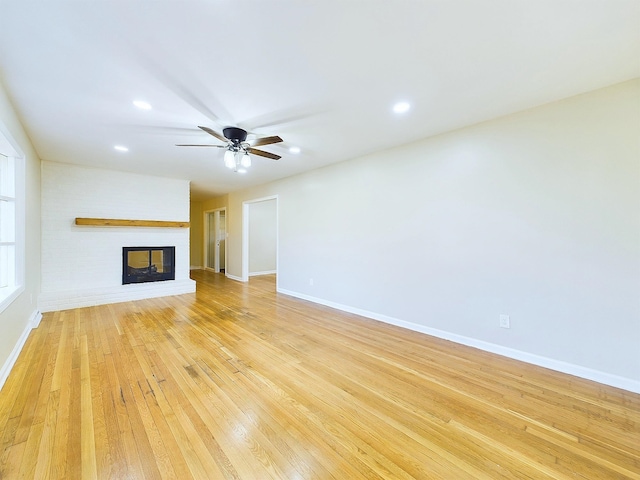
<point>16,283</point>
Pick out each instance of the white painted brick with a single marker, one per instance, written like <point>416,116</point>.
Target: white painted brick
<point>77,260</point>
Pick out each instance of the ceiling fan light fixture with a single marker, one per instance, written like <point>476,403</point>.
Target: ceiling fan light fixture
<point>246,160</point>
<point>229,159</point>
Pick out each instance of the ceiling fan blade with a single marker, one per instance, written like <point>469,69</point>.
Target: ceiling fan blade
<point>262,153</point>
<point>192,145</point>
<point>215,134</point>
<point>266,141</point>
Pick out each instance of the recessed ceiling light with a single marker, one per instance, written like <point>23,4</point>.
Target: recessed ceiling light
<point>401,107</point>
<point>241,170</point>
<point>142,105</point>
<point>294,150</point>
<point>121,148</point>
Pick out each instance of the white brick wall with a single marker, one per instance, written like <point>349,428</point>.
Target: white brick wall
<point>82,265</point>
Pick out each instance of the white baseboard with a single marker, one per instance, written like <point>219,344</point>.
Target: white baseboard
<point>54,301</point>
<point>254,274</point>
<point>557,365</point>
<point>195,267</point>
<point>233,277</point>
<point>266,272</point>
<point>34,322</point>
<point>35,319</point>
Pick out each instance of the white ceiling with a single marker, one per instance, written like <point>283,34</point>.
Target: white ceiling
<point>321,74</point>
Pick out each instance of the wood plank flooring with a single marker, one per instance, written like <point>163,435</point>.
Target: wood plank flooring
<point>238,382</point>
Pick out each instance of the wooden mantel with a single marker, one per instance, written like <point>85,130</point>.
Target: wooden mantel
<point>114,222</point>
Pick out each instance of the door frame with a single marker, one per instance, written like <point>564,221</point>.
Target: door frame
<point>245,235</point>
<point>206,222</point>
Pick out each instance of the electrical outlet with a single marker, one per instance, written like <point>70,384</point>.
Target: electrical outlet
<point>505,322</point>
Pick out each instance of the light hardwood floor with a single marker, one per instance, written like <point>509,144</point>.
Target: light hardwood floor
<point>237,382</point>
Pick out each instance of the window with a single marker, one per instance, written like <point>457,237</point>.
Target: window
<point>7,222</point>
<point>9,250</point>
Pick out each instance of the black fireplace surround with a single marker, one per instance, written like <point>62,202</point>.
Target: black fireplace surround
<point>148,264</point>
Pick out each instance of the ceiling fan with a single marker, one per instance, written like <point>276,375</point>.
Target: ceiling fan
<point>236,156</point>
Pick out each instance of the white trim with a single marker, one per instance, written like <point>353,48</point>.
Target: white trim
<point>34,322</point>
<point>54,301</point>
<point>8,144</point>
<point>266,272</point>
<point>206,239</point>
<point>237,279</point>
<point>629,384</point>
<point>195,267</point>
<point>245,241</point>
<point>35,319</point>
<point>6,301</point>
<point>21,218</point>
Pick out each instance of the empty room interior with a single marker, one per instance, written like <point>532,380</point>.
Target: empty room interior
<point>320,240</point>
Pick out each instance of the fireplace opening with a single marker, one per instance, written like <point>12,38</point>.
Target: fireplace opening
<point>148,264</point>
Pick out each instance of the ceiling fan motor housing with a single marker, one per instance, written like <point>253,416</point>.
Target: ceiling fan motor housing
<point>235,134</point>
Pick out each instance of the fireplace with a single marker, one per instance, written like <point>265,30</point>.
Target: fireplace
<point>148,264</point>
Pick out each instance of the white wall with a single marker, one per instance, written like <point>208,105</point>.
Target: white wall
<point>21,315</point>
<point>263,236</point>
<point>82,265</point>
<point>535,215</point>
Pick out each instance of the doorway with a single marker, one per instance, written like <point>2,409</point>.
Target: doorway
<point>215,240</point>
<point>260,237</point>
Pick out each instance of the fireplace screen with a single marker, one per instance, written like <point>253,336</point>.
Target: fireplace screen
<point>148,264</point>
